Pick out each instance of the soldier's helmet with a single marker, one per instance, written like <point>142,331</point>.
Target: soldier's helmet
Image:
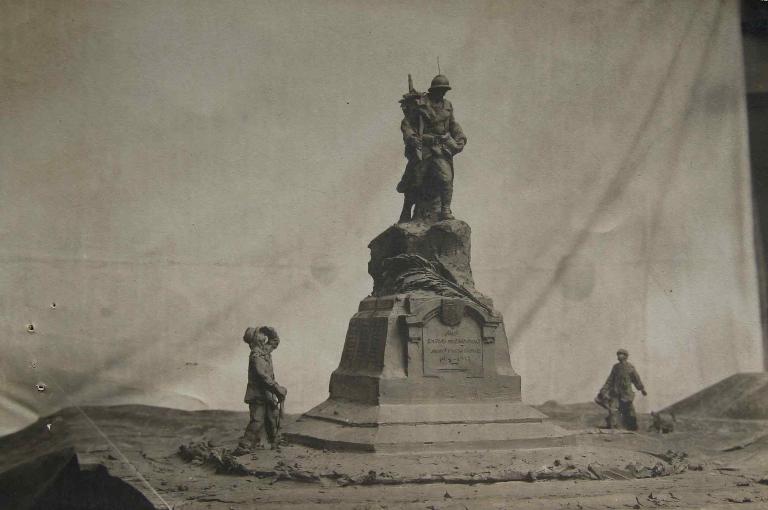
<point>440,82</point>
<point>622,351</point>
<point>271,334</point>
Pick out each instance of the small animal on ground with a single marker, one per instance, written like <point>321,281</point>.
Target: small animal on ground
<point>662,422</point>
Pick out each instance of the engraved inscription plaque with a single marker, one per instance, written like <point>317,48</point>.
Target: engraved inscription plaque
<point>453,349</point>
<point>364,345</point>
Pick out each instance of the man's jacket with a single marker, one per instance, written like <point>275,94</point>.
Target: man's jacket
<point>262,387</point>
<point>619,383</point>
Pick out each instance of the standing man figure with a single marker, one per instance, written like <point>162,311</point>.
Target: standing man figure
<point>263,395</point>
<point>616,394</point>
<point>432,138</point>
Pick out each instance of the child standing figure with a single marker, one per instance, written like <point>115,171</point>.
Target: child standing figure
<point>263,395</point>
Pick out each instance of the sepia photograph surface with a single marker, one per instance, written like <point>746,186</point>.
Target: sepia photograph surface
<point>383,254</point>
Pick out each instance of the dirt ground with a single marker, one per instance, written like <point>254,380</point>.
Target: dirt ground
<point>705,463</point>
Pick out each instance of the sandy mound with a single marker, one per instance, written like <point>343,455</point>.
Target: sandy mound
<point>740,396</point>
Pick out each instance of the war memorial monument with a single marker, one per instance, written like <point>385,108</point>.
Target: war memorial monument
<point>426,360</point>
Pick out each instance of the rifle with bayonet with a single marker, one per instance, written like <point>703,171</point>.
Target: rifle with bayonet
<point>411,103</point>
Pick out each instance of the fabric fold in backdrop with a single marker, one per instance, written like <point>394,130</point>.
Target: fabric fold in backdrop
<point>175,172</point>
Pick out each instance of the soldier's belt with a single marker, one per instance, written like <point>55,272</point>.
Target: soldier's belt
<point>433,140</point>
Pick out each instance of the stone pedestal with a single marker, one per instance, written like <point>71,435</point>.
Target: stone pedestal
<point>428,368</point>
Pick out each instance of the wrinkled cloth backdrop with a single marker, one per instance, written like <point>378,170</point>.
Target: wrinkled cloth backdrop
<point>173,172</point>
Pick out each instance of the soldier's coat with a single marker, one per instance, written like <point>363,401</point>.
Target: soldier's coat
<point>620,381</point>
<point>261,377</point>
<point>438,120</point>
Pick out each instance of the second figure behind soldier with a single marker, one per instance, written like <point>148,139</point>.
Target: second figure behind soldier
<point>432,138</point>
<point>617,396</point>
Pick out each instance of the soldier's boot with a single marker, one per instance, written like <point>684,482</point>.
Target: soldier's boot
<point>445,204</point>
<point>612,421</point>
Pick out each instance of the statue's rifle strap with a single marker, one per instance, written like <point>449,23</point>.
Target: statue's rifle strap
<point>421,134</point>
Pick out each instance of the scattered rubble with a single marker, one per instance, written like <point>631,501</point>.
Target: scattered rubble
<point>205,453</point>
<point>295,464</point>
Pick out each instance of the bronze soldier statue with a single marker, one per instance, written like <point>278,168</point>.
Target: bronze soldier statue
<point>263,395</point>
<point>432,138</point>
<point>617,396</point>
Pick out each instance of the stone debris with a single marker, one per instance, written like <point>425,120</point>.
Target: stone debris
<point>223,462</point>
<point>638,471</point>
<point>678,461</point>
<point>600,472</point>
<point>739,500</point>
<point>221,459</point>
<point>349,472</point>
